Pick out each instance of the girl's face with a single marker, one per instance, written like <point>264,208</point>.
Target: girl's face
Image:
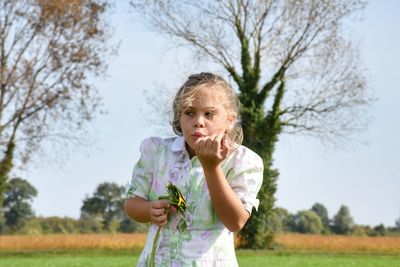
<point>205,116</point>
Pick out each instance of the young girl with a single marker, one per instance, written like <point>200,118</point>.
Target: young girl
<point>218,177</point>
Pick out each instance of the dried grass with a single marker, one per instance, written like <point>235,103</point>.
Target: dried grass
<point>390,244</point>
<point>296,242</point>
<point>68,241</point>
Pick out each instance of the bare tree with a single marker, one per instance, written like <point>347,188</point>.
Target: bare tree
<point>293,67</point>
<point>48,52</point>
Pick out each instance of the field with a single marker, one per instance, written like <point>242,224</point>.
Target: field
<point>122,250</point>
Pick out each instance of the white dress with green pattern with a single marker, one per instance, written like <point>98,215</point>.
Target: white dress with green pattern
<point>199,238</point>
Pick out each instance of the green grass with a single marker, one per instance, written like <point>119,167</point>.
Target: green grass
<point>319,260</point>
<point>122,258</point>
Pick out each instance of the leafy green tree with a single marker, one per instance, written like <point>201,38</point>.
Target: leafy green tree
<point>49,51</point>
<point>278,220</point>
<point>89,223</point>
<point>31,227</point>
<point>397,225</point>
<point>379,230</point>
<point>293,69</point>
<point>51,225</point>
<point>361,230</point>
<point>395,230</point>
<point>58,225</point>
<point>273,222</point>
<point>128,225</point>
<point>106,203</point>
<point>322,212</point>
<point>307,221</point>
<point>342,221</point>
<point>17,203</point>
<point>284,214</point>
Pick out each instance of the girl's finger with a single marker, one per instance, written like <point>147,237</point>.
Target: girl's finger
<point>161,220</point>
<point>157,212</point>
<point>160,204</point>
<point>224,147</point>
<point>217,143</point>
<point>208,144</point>
<point>199,143</point>
<point>173,209</point>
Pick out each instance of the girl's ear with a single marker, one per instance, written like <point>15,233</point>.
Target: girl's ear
<point>231,123</point>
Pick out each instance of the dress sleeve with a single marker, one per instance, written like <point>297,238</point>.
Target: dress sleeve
<point>246,178</point>
<point>143,171</point>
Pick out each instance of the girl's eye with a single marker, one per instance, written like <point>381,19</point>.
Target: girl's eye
<point>189,113</point>
<point>210,114</point>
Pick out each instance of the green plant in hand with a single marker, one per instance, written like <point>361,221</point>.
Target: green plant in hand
<point>176,199</point>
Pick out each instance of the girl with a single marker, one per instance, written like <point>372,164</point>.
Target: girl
<point>218,177</point>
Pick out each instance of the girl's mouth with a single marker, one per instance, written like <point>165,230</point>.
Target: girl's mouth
<point>198,135</point>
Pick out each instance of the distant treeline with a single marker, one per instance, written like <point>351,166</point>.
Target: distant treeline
<point>102,212</point>
<point>316,221</point>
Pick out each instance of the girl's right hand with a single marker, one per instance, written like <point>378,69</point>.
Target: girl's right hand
<point>211,150</point>
<point>158,212</point>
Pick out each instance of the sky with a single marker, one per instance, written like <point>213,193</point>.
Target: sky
<point>364,176</point>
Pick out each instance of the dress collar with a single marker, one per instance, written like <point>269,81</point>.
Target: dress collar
<point>179,144</point>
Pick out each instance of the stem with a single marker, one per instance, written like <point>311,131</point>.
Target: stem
<point>153,251</point>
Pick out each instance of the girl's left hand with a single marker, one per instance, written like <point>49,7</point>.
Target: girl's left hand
<point>211,150</point>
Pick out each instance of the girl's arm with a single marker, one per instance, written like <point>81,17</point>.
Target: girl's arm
<point>226,203</point>
<point>145,211</point>
<point>229,208</point>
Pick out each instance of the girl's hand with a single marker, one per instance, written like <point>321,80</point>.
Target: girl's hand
<point>211,150</point>
<point>158,212</point>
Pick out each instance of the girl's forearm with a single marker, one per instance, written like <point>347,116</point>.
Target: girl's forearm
<point>228,206</point>
<point>138,209</point>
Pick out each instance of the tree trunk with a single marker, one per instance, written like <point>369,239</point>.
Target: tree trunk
<point>253,234</point>
<point>261,135</point>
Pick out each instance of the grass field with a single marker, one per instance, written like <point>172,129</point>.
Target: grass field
<point>122,250</point>
<point>110,258</point>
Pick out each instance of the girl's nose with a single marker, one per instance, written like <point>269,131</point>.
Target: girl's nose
<point>199,122</point>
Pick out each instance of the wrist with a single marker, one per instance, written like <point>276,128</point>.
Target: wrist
<point>148,211</point>
<point>209,164</point>
<point>211,170</point>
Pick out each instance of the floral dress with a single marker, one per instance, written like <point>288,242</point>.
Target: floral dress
<point>198,238</point>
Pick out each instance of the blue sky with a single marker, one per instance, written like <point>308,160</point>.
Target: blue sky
<point>364,177</point>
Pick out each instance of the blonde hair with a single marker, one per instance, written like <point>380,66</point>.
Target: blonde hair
<point>187,92</point>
